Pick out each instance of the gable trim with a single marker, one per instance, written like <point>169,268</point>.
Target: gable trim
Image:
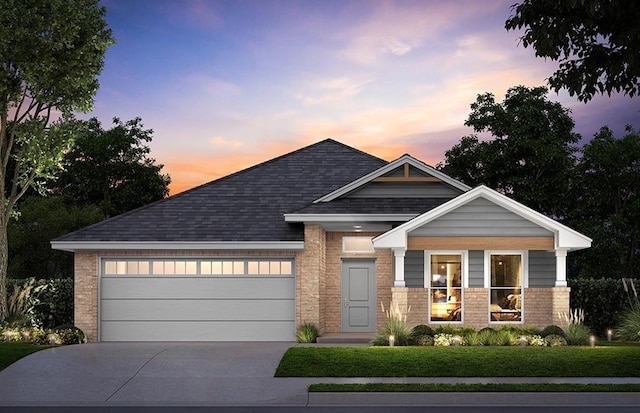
<point>564,237</point>
<point>403,160</point>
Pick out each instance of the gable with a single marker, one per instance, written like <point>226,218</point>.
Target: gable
<point>480,217</point>
<point>406,177</point>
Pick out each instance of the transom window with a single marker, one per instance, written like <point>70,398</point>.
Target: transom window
<point>444,274</point>
<point>357,244</point>
<point>506,278</point>
<point>205,267</point>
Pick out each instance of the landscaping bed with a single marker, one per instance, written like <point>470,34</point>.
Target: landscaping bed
<point>602,361</point>
<point>476,387</point>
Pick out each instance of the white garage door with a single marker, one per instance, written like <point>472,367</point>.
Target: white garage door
<point>197,300</point>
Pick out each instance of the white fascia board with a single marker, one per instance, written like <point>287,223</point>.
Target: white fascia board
<point>319,218</point>
<point>160,245</point>
<point>388,168</point>
<point>565,237</point>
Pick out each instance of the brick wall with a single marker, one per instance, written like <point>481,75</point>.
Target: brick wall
<point>85,299</point>
<point>310,282</point>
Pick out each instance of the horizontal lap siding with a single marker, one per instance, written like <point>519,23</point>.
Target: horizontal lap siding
<point>480,218</point>
<point>542,269</point>
<point>197,308</point>
<point>414,269</point>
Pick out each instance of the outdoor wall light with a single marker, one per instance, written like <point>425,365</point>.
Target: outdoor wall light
<point>592,341</point>
<point>392,341</point>
<point>609,335</point>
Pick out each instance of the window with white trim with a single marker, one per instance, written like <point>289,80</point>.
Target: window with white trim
<point>506,286</point>
<point>195,267</point>
<point>444,274</point>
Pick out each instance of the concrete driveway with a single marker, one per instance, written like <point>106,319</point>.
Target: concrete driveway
<point>152,373</point>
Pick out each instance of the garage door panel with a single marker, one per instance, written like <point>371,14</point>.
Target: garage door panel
<point>197,331</point>
<point>197,310</point>
<point>197,288</point>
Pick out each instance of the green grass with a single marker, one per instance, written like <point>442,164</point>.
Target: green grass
<point>12,352</point>
<point>490,387</point>
<point>609,361</point>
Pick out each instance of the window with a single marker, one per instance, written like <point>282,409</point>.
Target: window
<point>206,267</point>
<point>357,244</point>
<point>506,281</point>
<point>444,274</point>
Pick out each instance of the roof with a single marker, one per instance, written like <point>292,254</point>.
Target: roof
<point>245,206</point>
<point>564,237</point>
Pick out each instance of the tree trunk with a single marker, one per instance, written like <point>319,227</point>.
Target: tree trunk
<point>4,261</point>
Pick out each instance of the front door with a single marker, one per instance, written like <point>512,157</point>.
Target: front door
<point>358,296</point>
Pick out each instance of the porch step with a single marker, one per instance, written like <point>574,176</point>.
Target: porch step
<point>345,338</point>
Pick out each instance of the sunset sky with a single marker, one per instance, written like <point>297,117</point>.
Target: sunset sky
<point>228,84</point>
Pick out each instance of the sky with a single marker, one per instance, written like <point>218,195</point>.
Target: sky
<point>228,84</point>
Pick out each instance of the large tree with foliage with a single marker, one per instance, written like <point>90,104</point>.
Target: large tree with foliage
<point>529,154</point>
<point>51,52</point>
<point>112,168</point>
<point>606,205</point>
<point>596,42</point>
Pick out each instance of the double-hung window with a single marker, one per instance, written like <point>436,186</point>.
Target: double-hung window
<point>444,280</point>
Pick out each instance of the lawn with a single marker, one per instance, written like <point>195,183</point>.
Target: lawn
<point>12,352</point>
<point>476,387</point>
<point>609,361</point>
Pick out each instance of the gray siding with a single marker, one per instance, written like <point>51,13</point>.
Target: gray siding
<point>476,269</point>
<point>197,308</point>
<point>542,269</point>
<point>480,217</point>
<point>405,190</point>
<point>414,269</point>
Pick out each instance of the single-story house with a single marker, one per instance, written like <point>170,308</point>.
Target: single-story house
<point>326,234</point>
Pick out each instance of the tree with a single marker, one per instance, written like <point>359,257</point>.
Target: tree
<point>606,199</point>
<point>51,52</point>
<point>597,43</point>
<point>111,169</point>
<point>531,154</point>
<point>42,219</point>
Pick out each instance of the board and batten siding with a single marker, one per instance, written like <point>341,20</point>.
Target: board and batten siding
<point>480,218</point>
<point>414,269</point>
<point>177,308</point>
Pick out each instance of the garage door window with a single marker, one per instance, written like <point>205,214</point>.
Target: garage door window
<point>206,267</point>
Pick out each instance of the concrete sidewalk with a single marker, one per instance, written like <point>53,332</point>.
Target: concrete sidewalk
<point>149,374</point>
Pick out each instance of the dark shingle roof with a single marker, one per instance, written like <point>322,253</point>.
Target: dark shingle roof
<point>374,206</point>
<point>245,206</point>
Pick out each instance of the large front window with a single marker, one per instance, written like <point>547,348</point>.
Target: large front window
<point>506,276</point>
<point>445,287</point>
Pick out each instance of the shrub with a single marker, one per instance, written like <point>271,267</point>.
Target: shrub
<point>603,301</point>
<point>555,340</point>
<point>576,333</point>
<point>552,330</point>
<point>505,338</point>
<point>521,330</point>
<point>21,304</point>
<point>424,341</point>
<point>536,341</point>
<point>446,340</point>
<point>422,330</point>
<point>473,339</point>
<point>395,325</point>
<point>629,327</point>
<point>50,301</point>
<point>485,336</point>
<point>307,333</point>
<point>69,334</point>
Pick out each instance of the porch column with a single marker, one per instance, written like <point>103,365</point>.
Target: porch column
<point>561,268</point>
<point>399,267</point>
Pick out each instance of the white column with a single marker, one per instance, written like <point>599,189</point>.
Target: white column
<point>399,267</point>
<point>561,268</point>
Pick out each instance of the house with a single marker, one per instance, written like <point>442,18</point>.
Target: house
<point>326,234</point>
